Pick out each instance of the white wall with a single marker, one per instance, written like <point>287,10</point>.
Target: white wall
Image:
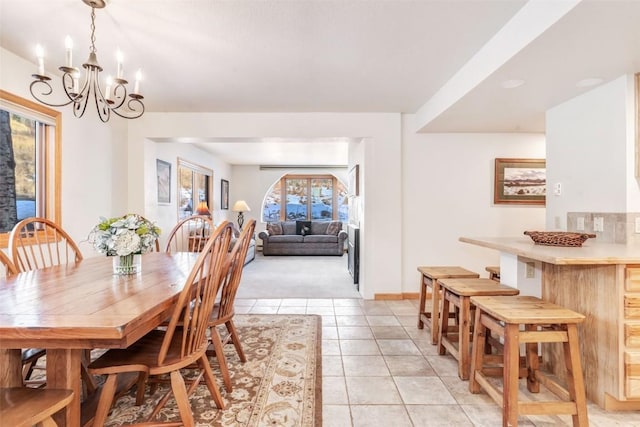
<point>590,151</point>
<point>166,216</point>
<point>447,192</point>
<point>93,171</point>
<point>381,252</point>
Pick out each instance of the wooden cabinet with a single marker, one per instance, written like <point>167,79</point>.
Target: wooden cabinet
<point>631,342</point>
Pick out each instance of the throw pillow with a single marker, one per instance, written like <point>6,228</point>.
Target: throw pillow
<point>274,228</point>
<point>334,228</point>
<point>303,228</point>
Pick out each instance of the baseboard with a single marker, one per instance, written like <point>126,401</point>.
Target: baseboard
<point>400,296</point>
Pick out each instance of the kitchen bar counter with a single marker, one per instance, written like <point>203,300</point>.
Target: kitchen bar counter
<point>599,280</point>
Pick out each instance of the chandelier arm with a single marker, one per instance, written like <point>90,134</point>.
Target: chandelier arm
<point>104,112</point>
<point>118,98</point>
<point>131,104</point>
<point>47,93</point>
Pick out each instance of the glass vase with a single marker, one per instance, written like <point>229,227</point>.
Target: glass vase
<point>127,264</point>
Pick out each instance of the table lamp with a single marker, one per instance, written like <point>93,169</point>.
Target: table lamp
<point>240,206</point>
<point>203,209</point>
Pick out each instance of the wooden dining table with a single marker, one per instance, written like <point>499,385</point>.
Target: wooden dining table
<point>70,308</point>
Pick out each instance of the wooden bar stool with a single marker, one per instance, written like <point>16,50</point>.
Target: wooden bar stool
<point>543,322</point>
<point>458,292</point>
<point>429,279</point>
<point>26,407</point>
<point>494,273</point>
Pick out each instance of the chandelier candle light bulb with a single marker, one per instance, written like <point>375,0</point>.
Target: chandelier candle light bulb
<point>136,88</point>
<point>108,91</point>
<point>120,59</point>
<point>68,44</point>
<point>40,56</point>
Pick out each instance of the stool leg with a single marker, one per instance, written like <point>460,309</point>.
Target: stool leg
<point>510,376</point>
<point>575,381</point>
<point>435,312</point>
<point>477,352</point>
<point>444,324</point>
<point>463,338</point>
<point>423,297</point>
<point>533,363</point>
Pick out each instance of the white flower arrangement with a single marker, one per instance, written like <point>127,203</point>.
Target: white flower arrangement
<point>129,234</point>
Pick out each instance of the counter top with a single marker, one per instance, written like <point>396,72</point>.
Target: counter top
<point>591,252</point>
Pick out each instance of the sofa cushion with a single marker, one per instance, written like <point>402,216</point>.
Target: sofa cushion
<point>319,227</point>
<point>274,228</point>
<point>320,238</point>
<point>334,227</point>
<point>286,238</point>
<point>303,227</point>
<point>288,227</point>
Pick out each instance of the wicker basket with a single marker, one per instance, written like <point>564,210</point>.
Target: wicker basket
<point>558,238</point>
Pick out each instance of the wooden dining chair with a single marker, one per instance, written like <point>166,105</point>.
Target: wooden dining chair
<point>7,264</point>
<point>26,407</point>
<point>182,343</point>
<point>36,243</point>
<point>224,311</point>
<point>190,234</point>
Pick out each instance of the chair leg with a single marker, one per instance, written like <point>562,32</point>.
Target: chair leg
<point>235,338</point>
<point>48,423</point>
<point>510,379</point>
<point>142,383</point>
<point>182,399</point>
<point>477,352</point>
<point>444,324</point>
<point>533,363</point>
<point>218,348</point>
<point>422,302</point>
<point>211,382</point>
<point>106,400</point>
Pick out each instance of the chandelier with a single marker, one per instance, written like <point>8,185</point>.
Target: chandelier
<point>113,100</point>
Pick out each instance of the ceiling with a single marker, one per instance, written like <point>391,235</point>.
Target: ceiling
<point>430,57</point>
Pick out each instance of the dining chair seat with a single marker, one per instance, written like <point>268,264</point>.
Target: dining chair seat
<point>26,407</point>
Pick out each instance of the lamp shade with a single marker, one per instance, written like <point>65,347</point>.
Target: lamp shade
<point>202,208</point>
<point>240,206</point>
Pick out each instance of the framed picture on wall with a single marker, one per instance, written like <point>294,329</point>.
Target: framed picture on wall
<point>224,194</point>
<point>163,178</point>
<point>354,181</point>
<point>520,181</point>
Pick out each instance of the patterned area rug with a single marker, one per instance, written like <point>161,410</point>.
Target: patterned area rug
<point>279,385</point>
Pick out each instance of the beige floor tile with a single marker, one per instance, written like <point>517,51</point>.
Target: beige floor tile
<point>264,309</point>
<point>349,310</point>
<point>332,366</point>
<point>334,391</point>
<point>445,366</point>
<point>489,416</point>
<point>398,347</point>
<point>320,302</point>
<point>242,309</point>
<point>292,310</point>
<point>336,416</point>
<point>409,320</point>
<point>355,333</point>
<point>323,310</point>
<point>382,332</point>
<point>438,416</point>
<point>330,348</point>
<point>268,302</point>
<point>380,415</point>
<point>409,366</point>
<point>377,310</point>
<point>365,366</point>
<point>328,320</point>
<point>244,301</point>
<point>296,302</point>
<point>382,320</point>
<point>460,391</point>
<point>347,302</point>
<point>351,320</point>
<point>329,333</point>
<point>359,347</point>
<point>423,391</point>
<point>372,391</point>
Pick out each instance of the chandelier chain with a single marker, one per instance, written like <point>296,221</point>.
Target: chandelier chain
<point>92,48</point>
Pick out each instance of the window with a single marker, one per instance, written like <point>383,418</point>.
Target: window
<point>194,186</point>
<point>29,162</point>
<point>306,197</point>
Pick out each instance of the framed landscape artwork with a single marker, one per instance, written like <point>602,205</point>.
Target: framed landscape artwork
<point>520,181</point>
<point>163,175</point>
<point>224,194</point>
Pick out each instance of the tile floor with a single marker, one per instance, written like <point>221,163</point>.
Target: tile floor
<point>379,370</point>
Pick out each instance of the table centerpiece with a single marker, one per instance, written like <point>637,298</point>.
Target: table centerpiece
<point>125,238</point>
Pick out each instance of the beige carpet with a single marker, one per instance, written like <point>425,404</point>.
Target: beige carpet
<point>279,385</point>
<point>297,277</point>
